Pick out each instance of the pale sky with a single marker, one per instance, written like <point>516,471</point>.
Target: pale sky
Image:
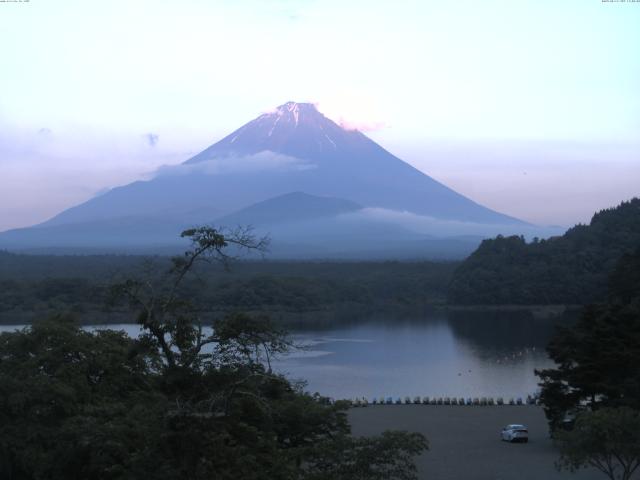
<point>529,107</point>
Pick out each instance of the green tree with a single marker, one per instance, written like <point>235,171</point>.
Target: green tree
<point>607,439</point>
<point>597,363</point>
<point>74,404</point>
<point>569,269</point>
<point>597,358</point>
<point>379,458</point>
<point>181,401</point>
<point>170,322</point>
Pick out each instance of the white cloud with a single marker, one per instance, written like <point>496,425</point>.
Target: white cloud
<point>445,228</point>
<point>259,162</point>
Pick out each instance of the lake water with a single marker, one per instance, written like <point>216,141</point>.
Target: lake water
<point>440,354</point>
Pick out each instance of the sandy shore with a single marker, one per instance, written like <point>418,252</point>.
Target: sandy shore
<point>465,441</point>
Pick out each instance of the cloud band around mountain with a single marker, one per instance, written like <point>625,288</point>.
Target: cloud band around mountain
<point>265,161</point>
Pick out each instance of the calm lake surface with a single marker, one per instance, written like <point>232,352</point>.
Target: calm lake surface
<point>439,354</point>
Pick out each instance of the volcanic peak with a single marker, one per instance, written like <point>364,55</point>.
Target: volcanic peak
<point>293,111</point>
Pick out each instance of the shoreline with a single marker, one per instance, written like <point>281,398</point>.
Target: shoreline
<point>537,311</point>
<point>311,318</point>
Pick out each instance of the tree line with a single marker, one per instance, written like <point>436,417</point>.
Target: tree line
<point>34,286</point>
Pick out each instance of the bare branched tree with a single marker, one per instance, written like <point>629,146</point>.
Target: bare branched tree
<point>170,322</point>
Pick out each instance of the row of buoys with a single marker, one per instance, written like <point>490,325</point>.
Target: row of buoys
<point>475,401</point>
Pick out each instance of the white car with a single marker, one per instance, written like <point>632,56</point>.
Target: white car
<point>515,433</point>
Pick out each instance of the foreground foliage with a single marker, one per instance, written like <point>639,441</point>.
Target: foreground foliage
<point>592,397</point>
<point>181,401</point>
<point>598,357</point>
<point>607,439</point>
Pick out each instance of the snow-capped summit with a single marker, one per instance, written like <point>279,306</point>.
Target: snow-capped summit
<point>295,110</point>
<point>296,129</point>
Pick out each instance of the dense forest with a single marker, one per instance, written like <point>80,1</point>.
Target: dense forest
<point>32,286</point>
<point>570,269</point>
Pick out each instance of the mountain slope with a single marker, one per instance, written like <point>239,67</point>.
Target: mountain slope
<point>292,149</point>
<point>291,207</point>
<point>295,148</point>
<point>570,269</point>
<point>122,232</point>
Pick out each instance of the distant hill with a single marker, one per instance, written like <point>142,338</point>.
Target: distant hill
<point>299,225</point>
<point>291,207</point>
<point>571,269</point>
<point>309,226</point>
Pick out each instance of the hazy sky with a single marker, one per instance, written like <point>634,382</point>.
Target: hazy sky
<point>529,107</point>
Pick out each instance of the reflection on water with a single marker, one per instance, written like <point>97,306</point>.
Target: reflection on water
<point>441,354</point>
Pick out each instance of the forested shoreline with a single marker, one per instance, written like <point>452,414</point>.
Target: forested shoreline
<point>33,287</point>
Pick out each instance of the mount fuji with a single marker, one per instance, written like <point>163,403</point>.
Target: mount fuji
<point>319,189</point>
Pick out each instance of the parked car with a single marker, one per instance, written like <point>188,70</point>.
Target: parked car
<point>515,433</point>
